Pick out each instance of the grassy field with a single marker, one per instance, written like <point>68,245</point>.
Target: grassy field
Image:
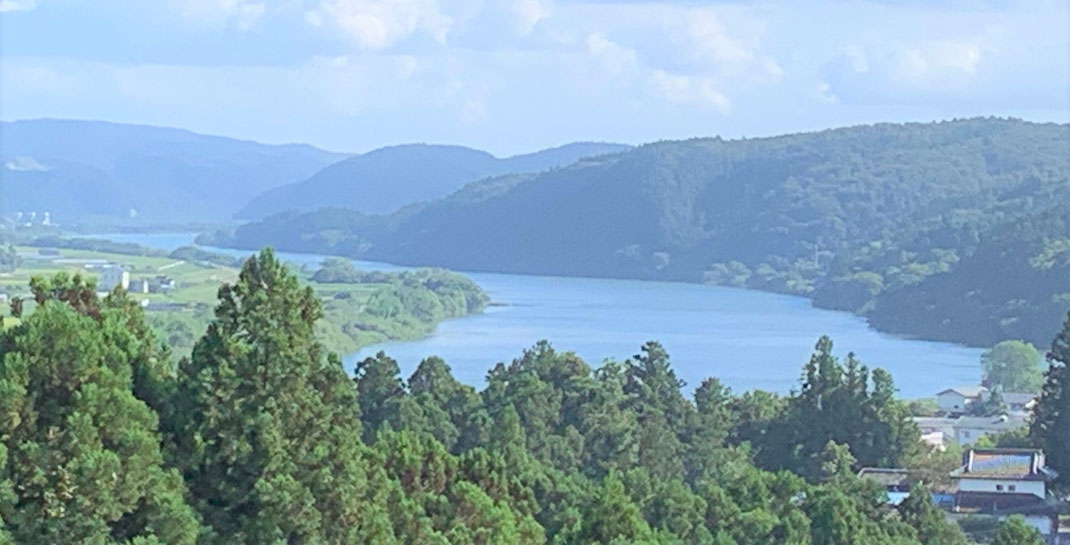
<point>397,306</point>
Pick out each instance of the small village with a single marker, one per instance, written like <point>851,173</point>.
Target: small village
<point>992,483</point>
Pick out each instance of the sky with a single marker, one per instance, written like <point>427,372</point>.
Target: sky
<point>512,76</point>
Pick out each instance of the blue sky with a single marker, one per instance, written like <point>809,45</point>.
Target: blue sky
<point>517,75</point>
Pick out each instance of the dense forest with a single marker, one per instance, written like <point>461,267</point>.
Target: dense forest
<point>384,180</point>
<point>261,437</point>
<point>954,231</point>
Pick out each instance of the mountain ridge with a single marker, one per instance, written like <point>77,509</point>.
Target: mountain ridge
<point>853,218</point>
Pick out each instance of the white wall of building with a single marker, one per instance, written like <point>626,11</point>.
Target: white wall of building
<point>1036,488</point>
<point>951,402</point>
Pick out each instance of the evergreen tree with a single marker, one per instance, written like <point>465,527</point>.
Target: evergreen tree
<point>1050,427</point>
<point>380,389</point>
<point>270,438</point>
<point>80,458</point>
<point>931,524</point>
<point>1015,531</point>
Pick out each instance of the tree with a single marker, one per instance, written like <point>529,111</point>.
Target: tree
<point>80,458</point>
<point>1050,428</point>
<point>269,440</point>
<point>1014,366</point>
<point>1015,531</point>
<point>930,523</point>
<point>380,388</point>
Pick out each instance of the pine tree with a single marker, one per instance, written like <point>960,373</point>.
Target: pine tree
<point>380,389</point>
<point>930,523</point>
<point>80,455</point>
<point>1015,531</point>
<point>270,441</point>
<point>1050,427</point>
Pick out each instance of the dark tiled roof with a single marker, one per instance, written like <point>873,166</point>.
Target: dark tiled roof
<point>1009,464</point>
<point>1000,502</point>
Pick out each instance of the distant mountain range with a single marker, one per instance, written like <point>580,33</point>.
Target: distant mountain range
<point>880,220</point>
<point>81,170</point>
<point>384,180</point>
<point>92,171</point>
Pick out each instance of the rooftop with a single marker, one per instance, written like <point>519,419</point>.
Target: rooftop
<point>990,423</point>
<point>965,391</point>
<point>1009,464</point>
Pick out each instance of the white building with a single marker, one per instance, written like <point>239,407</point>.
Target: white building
<point>111,276</point>
<point>968,429</point>
<point>955,400</point>
<point>1004,482</point>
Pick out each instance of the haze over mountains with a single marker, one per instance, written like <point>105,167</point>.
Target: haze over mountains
<point>873,219</point>
<point>97,171</point>
<point>384,180</point>
<point>82,170</point>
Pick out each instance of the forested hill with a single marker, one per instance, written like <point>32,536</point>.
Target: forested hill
<point>261,437</point>
<point>954,230</point>
<point>386,179</point>
<point>92,170</point>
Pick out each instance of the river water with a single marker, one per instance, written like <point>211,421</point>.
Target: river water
<point>749,339</point>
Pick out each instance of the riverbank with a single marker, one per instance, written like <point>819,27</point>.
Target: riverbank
<point>179,293</point>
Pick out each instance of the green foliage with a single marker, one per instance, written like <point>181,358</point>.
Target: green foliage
<point>932,525</point>
<point>9,259</point>
<point>80,459</point>
<point>1015,531</point>
<point>266,440</point>
<point>268,427</point>
<point>1050,428</point>
<point>951,231</point>
<point>194,254</point>
<point>1013,366</point>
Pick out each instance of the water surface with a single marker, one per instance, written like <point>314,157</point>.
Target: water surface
<point>748,339</point>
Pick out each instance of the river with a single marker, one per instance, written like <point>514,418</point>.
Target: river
<point>749,339</point>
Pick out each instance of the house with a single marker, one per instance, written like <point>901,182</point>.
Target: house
<point>1004,482</point>
<point>897,482</point>
<point>162,283</point>
<point>139,285</point>
<point>111,276</point>
<point>955,400</point>
<point>1020,402</point>
<point>968,429</point>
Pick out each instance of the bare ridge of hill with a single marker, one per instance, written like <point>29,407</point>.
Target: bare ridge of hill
<point>861,219</point>
<point>386,179</point>
<point>86,170</point>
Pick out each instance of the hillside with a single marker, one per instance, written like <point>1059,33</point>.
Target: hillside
<point>877,220</point>
<point>91,170</point>
<point>387,179</point>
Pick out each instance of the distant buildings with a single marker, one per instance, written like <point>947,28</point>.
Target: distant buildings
<point>1003,482</point>
<point>139,285</point>
<point>957,400</point>
<point>111,276</point>
<point>993,483</point>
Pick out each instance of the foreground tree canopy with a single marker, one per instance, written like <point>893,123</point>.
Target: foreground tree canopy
<point>261,437</point>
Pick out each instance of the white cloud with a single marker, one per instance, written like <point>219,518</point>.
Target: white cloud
<point>25,164</point>
<point>698,90</point>
<point>713,40</point>
<point>241,13</point>
<point>17,5</point>
<point>613,56</point>
<point>378,24</point>
<point>529,13</point>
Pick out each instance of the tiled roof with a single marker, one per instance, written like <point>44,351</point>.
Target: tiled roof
<point>999,502</point>
<point>1011,464</point>
<point>966,391</point>
<point>1002,465</point>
